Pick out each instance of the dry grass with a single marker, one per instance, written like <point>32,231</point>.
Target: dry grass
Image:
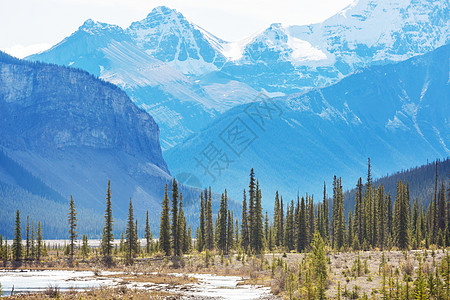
<point>257,270</point>
<point>102,293</point>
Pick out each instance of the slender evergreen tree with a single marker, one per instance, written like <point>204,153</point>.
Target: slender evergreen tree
<point>359,210</point>
<point>2,253</point>
<point>209,240</point>
<point>266,230</point>
<point>182,228</point>
<point>85,247</point>
<point>277,221</point>
<point>251,206</point>
<point>245,241</point>
<point>33,245</point>
<point>164,228</point>
<point>302,238</point>
<point>230,231</point>
<point>108,236</point>
<point>175,225</point>
<point>72,219</point>
<point>258,227</point>
<point>6,253</point>
<point>222,223</point>
<point>27,244</point>
<point>39,241</point>
<point>148,235</point>
<point>17,242</point>
<point>202,231</point>
<point>130,234</point>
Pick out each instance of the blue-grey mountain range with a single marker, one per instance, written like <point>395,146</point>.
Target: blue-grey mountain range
<point>185,76</point>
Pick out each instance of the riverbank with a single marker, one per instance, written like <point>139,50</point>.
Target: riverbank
<point>349,274</point>
<point>66,284</point>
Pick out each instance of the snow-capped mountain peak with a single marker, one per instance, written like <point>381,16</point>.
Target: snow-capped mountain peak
<point>95,28</point>
<point>168,36</point>
<point>381,30</point>
<point>277,44</point>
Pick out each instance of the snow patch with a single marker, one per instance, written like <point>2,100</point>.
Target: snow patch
<point>441,140</point>
<point>304,51</point>
<point>396,123</point>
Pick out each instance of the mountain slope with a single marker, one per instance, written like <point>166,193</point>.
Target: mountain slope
<point>394,114</point>
<point>64,132</point>
<point>106,51</point>
<point>147,62</point>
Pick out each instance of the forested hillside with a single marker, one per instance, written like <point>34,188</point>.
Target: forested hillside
<point>421,181</point>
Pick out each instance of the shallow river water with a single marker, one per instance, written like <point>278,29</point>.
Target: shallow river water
<point>208,286</point>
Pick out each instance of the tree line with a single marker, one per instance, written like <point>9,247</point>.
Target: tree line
<point>377,220</point>
<point>34,248</point>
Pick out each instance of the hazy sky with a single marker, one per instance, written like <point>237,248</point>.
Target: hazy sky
<point>28,26</point>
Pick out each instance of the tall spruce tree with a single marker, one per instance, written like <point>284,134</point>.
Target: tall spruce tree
<point>230,231</point>
<point>148,235</point>
<point>130,234</point>
<point>266,230</point>
<point>85,247</point>
<point>251,206</point>
<point>1,248</point>
<point>258,227</point>
<point>282,221</point>
<point>209,222</point>
<point>164,228</point>
<point>441,208</point>
<point>108,236</point>
<point>175,225</point>
<point>245,241</point>
<point>17,241</point>
<point>137,245</point>
<point>5,251</point>
<point>302,234</point>
<point>182,228</point>
<point>310,219</point>
<point>358,221</point>
<point>202,231</point>
<point>39,241</point>
<point>33,245</point>
<point>277,221</point>
<point>27,244</point>
<point>72,219</point>
<point>222,223</point>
